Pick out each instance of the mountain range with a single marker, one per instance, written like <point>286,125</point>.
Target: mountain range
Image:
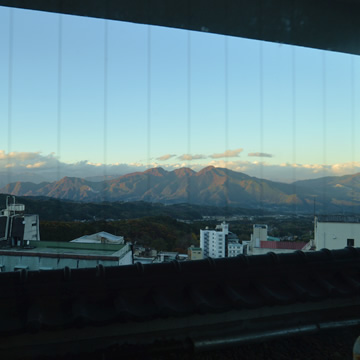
<point>210,186</point>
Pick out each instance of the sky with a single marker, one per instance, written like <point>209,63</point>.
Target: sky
<point>88,97</point>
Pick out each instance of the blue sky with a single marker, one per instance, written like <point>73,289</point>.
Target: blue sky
<point>135,96</point>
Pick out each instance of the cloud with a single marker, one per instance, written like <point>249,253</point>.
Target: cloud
<point>346,168</point>
<point>191,157</point>
<point>227,154</point>
<point>94,164</point>
<point>286,172</point>
<point>260,154</point>
<point>165,157</point>
<point>18,156</point>
<point>36,165</point>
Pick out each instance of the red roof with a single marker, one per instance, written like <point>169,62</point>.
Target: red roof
<point>290,245</point>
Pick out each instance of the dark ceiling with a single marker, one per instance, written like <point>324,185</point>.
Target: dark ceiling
<point>323,24</point>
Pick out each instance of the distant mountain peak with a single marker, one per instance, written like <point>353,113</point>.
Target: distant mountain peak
<point>184,171</point>
<point>158,171</point>
<point>206,169</point>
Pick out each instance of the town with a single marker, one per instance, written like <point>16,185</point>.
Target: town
<point>21,247</point>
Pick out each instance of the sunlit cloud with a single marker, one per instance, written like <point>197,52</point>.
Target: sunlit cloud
<point>36,165</point>
<point>94,164</point>
<point>227,154</point>
<point>191,157</point>
<point>260,154</point>
<point>349,167</point>
<point>18,156</point>
<point>165,157</point>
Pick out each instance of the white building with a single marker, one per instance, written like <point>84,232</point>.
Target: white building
<point>336,231</point>
<point>212,242</point>
<point>220,242</point>
<point>21,248</point>
<point>234,248</point>
<point>17,228</point>
<point>50,255</point>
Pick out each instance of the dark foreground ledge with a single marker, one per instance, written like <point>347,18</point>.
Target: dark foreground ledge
<point>189,307</point>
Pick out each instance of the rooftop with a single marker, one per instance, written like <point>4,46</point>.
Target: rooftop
<point>100,237</point>
<point>49,248</point>
<point>338,218</point>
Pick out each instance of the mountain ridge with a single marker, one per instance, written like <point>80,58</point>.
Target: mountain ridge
<point>209,186</point>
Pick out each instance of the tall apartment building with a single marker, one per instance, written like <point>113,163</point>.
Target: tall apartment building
<point>220,242</point>
<point>212,242</point>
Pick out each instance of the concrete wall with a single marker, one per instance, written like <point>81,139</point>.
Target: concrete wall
<point>10,262</point>
<point>126,259</point>
<point>333,235</point>
<point>261,251</point>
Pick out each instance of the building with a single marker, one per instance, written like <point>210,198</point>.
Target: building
<point>234,248</point>
<point>259,234</point>
<point>336,231</point>
<point>51,255</point>
<point>21,248</point>
<point>261,243</point>
<point>212,242</point>
<point>195,253</point>
<point>17,228</point>
<point>220,243</point>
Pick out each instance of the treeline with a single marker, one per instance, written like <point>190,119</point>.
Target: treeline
<point>158,232</point>
<point>62,210</point>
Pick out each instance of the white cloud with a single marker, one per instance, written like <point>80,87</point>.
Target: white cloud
<point>165,157</point>
<point>346,168</point>
<point>94,164</point>
<point>260,154</point>
<point>191,157</point>
<point>18,156</point>
<point>49,168</point>
<point>227,154</point>
<point>36,165</point>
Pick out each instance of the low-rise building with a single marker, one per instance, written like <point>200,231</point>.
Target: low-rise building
<point>261,243</point>
<point>48,255</point>
<point>166,256</point>
<point>195,253</point>
<point>234,248</point>
<point>16,227</point>
<point>21,248</point>
<point>336,231</point>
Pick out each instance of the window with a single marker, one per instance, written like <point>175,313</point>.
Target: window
<point>350,242</point>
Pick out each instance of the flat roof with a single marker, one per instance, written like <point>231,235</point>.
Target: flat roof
<point>65,249</point>
<point>338,218</point>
